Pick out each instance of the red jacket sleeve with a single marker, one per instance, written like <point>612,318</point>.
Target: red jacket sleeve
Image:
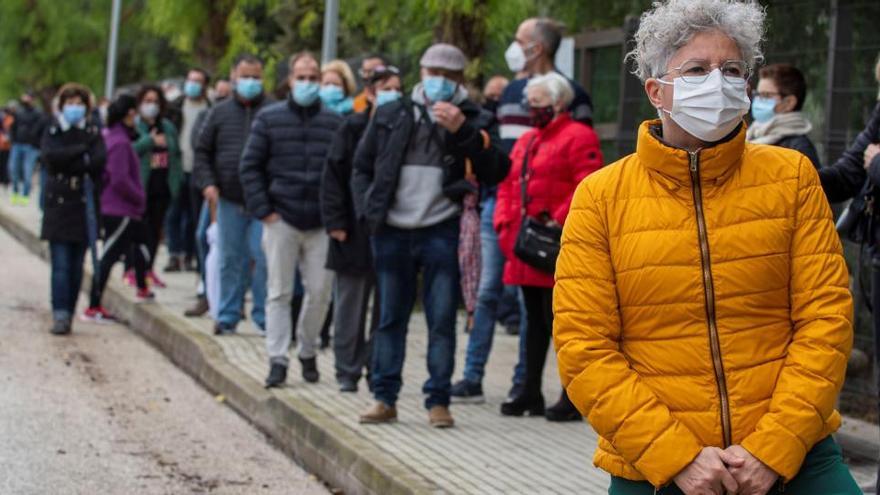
<point>585,157</point>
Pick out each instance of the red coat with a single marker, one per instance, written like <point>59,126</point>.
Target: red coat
<point>561,156</point>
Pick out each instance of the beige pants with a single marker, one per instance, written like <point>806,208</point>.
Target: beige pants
<point>286,249</point>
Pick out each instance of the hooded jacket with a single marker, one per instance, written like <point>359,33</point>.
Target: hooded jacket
<point>122,194</point>
<point>702,299</point>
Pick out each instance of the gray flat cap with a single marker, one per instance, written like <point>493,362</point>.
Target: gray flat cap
<point>444,56</point>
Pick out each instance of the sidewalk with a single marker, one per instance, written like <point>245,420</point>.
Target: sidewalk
<point>484,453</point>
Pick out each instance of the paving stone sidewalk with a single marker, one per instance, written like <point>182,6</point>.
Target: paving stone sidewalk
<point>484,453</point>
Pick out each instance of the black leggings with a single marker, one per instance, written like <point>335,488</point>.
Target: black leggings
<point>118,242</point>
<point>539,315</point>
<point>149,234</point>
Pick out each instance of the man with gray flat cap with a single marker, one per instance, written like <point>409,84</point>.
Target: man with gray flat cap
<point>408,184</point>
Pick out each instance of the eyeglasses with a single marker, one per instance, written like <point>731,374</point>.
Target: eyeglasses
<point>697,71</point>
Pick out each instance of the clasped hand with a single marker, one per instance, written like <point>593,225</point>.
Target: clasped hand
<point>724,472</point>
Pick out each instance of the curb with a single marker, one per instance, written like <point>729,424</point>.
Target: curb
<point>326,448</point>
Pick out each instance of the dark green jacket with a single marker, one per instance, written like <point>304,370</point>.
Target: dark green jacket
<point>143,146</point>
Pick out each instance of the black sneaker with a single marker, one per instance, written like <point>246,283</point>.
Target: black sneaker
<point>348,385</point>
<point>173,265</point>
<point>310,370</point>
<point>465,392</point>
<point>277,375</point>
<point>221,328</point>
<point>563,410</point>
<point>60,327</point>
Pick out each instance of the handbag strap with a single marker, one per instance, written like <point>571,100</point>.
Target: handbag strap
<point>524,176</point>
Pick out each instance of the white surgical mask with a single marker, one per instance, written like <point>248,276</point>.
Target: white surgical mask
<point>515,57</point>
<point>710,110</point>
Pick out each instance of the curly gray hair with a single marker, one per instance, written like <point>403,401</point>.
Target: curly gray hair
<point>671,24</point>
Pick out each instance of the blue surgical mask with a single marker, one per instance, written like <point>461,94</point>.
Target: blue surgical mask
<point>383,97</point>
<point>331,94</point>
<point>305,93</point>
<point>74,113</point>
<point>248,87</point>
<point>438,88</point>
<point>192,89</point>
<point>763,109</point>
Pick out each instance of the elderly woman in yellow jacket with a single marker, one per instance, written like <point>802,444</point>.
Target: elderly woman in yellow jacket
<point>703,317</point>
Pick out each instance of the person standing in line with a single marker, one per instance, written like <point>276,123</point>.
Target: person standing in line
<point>492,93</point>
<point>161,172</point>
<point>27,130</point>
<point>281,172</point>
<point>337,87</point>
<point>349,255</point>
<point>181,218</point>
<point>532,52</point>
<point>217,172</point>
<point>123,202</point>
<point>5,144</point>
<point>547,164</point>
<point>72,149</point>
<point>408,184</point>
<point>368,65</point>
<point>703,318</point>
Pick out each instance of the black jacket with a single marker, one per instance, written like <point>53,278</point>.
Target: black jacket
<point>847,177</point>
<point>803,144</point>
<point>380,155</point>
<point>337,207</point>
<point>69,156</point>
<point>28,126</point>
<point>283,162</point>
<point>219,146</point>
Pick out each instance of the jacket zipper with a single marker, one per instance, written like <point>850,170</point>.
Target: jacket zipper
<point>709,287</point>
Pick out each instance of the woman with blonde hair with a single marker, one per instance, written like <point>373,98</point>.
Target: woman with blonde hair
<point>703,318</point>
<point>337,87</point>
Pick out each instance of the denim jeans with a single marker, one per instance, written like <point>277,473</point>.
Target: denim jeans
<point>488,299</point>
<point>202,239</point>
<point>22,160</point>
<point>179,223</point>
<point>240,237</point>
<point>400,255</point>
<point>67,272</point>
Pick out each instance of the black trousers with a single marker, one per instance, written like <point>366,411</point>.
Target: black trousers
<point>119,235</point>
<point>149,235</point>
<point>539,317</point>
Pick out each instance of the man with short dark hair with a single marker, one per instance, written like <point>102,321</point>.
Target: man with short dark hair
<point>221,140</point>
<point>281,172</point>
<point>368,65</point>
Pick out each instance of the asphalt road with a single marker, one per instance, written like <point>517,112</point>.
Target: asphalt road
<point>101,411</point>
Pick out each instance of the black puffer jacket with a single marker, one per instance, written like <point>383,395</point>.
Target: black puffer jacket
<point>337,207</point>
<point>69,156</point>
<point>220,143</point>
<point>803,144</point>
<point>380,156</point>
<point>28,126</point>
<point>283,162</point>
<point>847,177</point>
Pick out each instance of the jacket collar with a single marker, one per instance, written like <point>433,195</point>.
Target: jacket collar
<point>309,111</point>
<point>717,162</point>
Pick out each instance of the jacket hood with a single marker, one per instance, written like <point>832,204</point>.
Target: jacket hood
<point>717,162</point>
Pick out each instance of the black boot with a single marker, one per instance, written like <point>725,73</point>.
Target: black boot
<point>60,327</point>
<point>310,370</point>
<point>277,375</point>
<point>563,410</point>
<point>522,405</point>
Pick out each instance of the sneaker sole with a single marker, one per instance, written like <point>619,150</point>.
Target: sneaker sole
<point>96,321</point>
<point>443,424</point>
<point>377,421</point>
<point>480,399</point>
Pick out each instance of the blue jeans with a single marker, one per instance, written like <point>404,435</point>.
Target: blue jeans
<point>22,160</point>
<point>240,237</point>
<point>488,299</point>
<point>399,257</point>
<point>179,223</point>
<point>202,239</point>
<point>67,272</point>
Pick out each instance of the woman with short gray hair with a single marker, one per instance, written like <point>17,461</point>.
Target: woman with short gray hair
<point>703,315</point>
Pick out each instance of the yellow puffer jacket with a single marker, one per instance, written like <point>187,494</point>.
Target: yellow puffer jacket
<point>702,300</point>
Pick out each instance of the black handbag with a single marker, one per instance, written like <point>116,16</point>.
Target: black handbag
<point>537,244</point>
<point>856,223</point>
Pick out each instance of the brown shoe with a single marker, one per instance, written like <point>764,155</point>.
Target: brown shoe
<point>440,417</point>
<point>379,413</point>
<point>198,309</point>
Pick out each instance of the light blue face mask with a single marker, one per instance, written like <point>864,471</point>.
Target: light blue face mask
<point>192,89</point>
<point>305,93</point>
<point>383,97</point>
<point>248,87</point>
<point>331,94</point>
<point>438,88</point>
<point>74,113</point>
<point>763,109</point>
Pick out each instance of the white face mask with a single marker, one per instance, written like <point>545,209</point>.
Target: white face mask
<point>711,110</point>
<point>516,57</point>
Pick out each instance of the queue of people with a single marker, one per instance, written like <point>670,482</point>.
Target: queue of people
<point>666,324</point>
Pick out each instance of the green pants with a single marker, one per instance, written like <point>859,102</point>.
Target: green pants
<point>823,473</point>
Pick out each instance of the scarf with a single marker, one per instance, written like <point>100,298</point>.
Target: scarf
<point>780,126</point>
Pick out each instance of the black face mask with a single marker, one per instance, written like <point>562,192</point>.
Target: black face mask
<point>541,116</point>
<point>491,105</point>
